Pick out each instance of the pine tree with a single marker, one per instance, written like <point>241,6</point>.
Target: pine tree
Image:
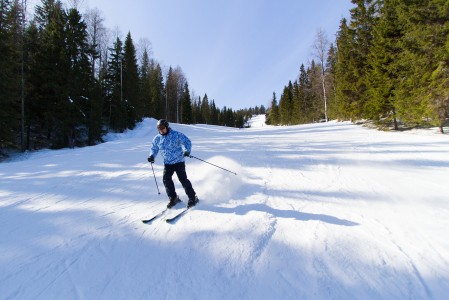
<point>227,117</point>
<point>296,102</point>
<point>186,117</point>
<point>286,105</point>
<point>205,110</point>
<point>33,112</point>
<point>52,67</point>
<point>95,113</point>
<point>116,108</point>
<point>423,95</point>
<point>171,92</point>
<point>363,18</point>
<point>157,93</point>
<point>134,107</point>
<point>383,75</point>
<point>80,84</point>
<point>346,95</point>
<point>197,115</point>
<point>214,112</point>
<point>272,114</point>
<point>302,97</point>
<point>314,96</point>
<point>145,85</point>
<point>438,93</point>
<point>330,79</point>
<point>10,70</point>
<point>353,46</point>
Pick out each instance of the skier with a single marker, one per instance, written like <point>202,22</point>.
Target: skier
<point>174,146</point>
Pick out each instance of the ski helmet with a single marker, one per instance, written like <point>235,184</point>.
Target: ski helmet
<point>162,123</point>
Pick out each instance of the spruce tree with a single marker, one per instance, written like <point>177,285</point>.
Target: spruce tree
<point>383,75</point>
<point>145,85</point>
<point>330,80</point>
<point>186,116</point>
<point>286,105</point>
<point>214,112</point>
<point>363,18</point>
<point>296,102</point>
<point>315,93</point>
<point>171,93</point>
<point>33,115</point>
<point>205,110</point>
<point>157,93</point>
<point>10,71</point>
<point>423,95</point>
<point>272,115</point>
<point>346,95</point>
<point>134,107</point>
<point>53,65</point>
<point>95,113</point>
<point>115,109</point>
<point>302,98</point>
<point>79,80</point>
<point>197,115</point>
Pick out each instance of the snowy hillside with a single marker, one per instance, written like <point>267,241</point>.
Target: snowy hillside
<point>319,211</point>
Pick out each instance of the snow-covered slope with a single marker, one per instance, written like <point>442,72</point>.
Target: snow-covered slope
<point>320,211</point>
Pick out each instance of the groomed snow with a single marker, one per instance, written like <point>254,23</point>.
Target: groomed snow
<point>320,211</point>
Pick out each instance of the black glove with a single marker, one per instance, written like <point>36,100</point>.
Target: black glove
<point>151,159</point>
<point>186,153</point>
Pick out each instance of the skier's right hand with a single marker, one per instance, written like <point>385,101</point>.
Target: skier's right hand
<point>151,159</point>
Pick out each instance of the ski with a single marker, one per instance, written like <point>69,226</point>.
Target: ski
<point>147,221</point>
<point>183,212</point>
<point>179,215</point>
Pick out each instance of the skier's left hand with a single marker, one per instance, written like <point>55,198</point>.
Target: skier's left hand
<point>186,153</point>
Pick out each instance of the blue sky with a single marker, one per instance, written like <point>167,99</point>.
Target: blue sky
<point>237,51</point>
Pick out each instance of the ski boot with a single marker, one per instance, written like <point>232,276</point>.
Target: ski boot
<point>192,202</point>
<point>173,201</point>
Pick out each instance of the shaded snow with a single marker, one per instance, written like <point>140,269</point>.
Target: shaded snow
<point>319,211</point>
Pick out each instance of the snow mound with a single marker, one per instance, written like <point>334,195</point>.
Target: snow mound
<point>216,185</point>
<point>143,129</point>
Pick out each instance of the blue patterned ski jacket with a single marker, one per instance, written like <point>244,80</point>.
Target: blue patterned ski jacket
<point>172,146</point>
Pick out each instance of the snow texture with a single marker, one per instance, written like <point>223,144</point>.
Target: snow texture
<point>319,211</point>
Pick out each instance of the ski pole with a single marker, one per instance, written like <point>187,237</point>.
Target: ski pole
<point>155,179</point>
<point>191,156</point>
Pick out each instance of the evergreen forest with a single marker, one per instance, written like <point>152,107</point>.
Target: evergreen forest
<point>64,82</point>
<point>389,65</point>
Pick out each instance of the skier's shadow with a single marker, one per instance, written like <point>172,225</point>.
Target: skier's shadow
<point>288,214</point>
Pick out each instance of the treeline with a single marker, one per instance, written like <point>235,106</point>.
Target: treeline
<point>390,64</point>
<point>65,83</point>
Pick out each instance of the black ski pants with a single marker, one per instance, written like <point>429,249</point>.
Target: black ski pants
<point>180,169</point>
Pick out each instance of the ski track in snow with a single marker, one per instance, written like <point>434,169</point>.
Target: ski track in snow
<point>318,211</point>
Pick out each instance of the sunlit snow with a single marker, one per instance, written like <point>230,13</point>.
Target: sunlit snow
<point>319,211</point>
